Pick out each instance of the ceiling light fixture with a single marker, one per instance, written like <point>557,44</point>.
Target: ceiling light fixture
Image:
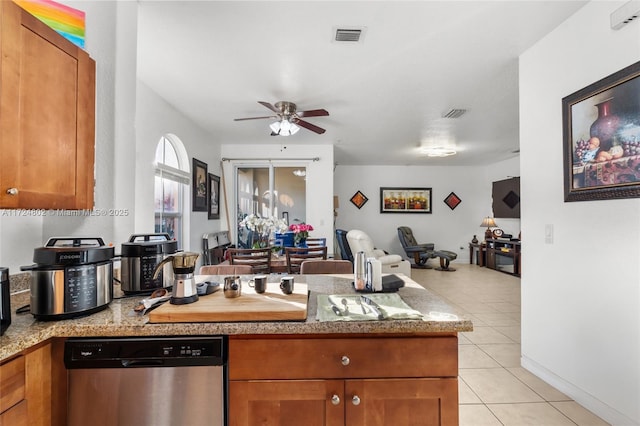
<point>438,151</point>
<point>300,173</point>
<point>283,128</point>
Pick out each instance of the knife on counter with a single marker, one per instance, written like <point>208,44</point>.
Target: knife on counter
<point>374,306</point>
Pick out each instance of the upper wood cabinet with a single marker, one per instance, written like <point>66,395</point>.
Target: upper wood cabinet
<point>47,116</point>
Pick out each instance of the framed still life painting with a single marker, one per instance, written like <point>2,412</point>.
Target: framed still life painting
<point>601,137</point>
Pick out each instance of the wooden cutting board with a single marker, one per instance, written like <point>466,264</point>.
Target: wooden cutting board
<point>272,305</point>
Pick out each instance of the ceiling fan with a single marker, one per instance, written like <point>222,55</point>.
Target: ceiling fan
<point>289,119</point>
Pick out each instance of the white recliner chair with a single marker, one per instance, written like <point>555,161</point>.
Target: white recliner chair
<point>391,263</point>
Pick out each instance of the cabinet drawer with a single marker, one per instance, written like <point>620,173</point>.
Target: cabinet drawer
<point>300,358</point>
<point>12,383</point>
<point>16,416</point>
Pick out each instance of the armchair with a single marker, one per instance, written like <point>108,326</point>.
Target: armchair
<point>420,253</point>
<point>391,263</point>
<point>345,250</point>
<point>423,252</point>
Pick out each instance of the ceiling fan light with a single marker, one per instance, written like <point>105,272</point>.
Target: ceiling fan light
<point>275,127</point>
<point>294,129</point>
<point>285,127</point>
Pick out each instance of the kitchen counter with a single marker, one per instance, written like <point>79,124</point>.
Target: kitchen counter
<point>119,319</point>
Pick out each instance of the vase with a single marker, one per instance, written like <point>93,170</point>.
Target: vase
<point>474,240</point>
<point>302,243</point>
<point>605,126</point>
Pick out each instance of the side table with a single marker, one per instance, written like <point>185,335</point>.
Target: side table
<point>480,250</point>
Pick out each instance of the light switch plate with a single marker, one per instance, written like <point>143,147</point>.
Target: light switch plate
<point>548,234</point>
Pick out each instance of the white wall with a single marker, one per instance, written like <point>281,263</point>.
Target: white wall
<point>155,118</point>
<point>581,294</point>
<point>447,229</point>
<point>319,208</point>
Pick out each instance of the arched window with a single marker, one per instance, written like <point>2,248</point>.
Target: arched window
<point>172,181</point>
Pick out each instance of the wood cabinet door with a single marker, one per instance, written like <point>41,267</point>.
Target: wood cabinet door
<point>47,114</point>
<point>16,416</point>
<point>408,402</point>
<point>286,402</point>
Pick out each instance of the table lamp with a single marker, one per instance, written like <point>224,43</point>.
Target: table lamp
<point>488,222</point>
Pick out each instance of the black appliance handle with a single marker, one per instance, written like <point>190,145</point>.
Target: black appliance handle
<point>141,362</point>
<point>77,241</point>
<point>29,267</point>
<point>147,237</point>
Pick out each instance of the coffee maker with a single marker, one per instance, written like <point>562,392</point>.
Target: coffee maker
<point>184,284</point>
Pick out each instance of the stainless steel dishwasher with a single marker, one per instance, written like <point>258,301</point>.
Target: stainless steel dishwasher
<point>147,381</point>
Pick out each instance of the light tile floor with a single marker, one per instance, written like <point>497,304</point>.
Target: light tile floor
<point>493,388</point>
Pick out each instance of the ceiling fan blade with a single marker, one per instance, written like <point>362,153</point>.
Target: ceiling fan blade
<point>255,118</point>
<point>308,126</point>
<point>313,113</point>
<point>271,107</point>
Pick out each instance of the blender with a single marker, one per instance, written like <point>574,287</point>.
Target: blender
<point>184,283</point>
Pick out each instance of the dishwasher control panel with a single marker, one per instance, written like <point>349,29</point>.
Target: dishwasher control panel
<point>133,352</point>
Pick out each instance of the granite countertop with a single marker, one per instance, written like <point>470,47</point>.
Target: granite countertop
<point>119,319</point>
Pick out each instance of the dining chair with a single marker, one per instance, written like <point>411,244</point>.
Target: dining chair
<point>297,255</point>
<point>226,270</point>
<point>316,242</point>
<point>329,266</point>
<point>258,259</point>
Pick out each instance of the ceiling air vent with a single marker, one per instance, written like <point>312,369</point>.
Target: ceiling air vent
<point>345,34</point>
<point>454,113</point>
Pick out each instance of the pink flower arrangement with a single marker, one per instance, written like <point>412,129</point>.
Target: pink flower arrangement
<point>301,231</point>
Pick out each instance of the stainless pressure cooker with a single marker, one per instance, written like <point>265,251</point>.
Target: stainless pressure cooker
<point>72,276</point>
<point>139,259</point>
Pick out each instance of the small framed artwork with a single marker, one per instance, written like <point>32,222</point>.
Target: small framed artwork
<point>213,190</point>
<point>405,200</point>
<point>601,138</point>
<point>452,200</point>
<point>359,199</point>
<point>199,186</point>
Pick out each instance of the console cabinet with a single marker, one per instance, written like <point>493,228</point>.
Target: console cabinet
<point>504,256</point>
<point>362,380</point>
<point>47,116</point>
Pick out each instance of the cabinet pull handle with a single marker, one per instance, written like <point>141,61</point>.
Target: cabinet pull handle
<point>355,400</point>
<point>345,360</point>
<point>335,400</point>
<point>12,191</point>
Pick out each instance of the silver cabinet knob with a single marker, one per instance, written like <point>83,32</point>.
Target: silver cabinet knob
<point>345,360</point>
<point>355,400</point>
<point>335,400</point>
<point>12,191</point>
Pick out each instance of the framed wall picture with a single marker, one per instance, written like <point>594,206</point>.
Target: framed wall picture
<point>199,186</point>
<point>505,198</point>
<point>405,200</point>
<point>452,200</point>
<point>213,190</point>
<point>601,138</point>
<point>359,199</point>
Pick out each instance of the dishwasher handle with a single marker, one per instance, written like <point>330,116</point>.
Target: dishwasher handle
<point>142,362</point>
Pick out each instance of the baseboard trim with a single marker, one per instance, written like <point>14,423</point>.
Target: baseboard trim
<point>588,401</point>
